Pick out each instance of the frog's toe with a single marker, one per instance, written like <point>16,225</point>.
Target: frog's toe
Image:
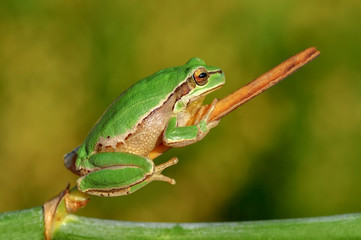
<point>212,124</point>
<point>158,176</point>
<point>161,167</point>
<point>210,110</point>
<point>161,177</point>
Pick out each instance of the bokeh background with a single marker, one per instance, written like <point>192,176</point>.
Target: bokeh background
<point>294,151</point>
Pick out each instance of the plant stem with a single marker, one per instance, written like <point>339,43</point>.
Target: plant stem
<point>25,224</point>
<point>29,224</point>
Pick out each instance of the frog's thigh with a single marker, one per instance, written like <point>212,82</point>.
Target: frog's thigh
<point>113,159</point>
<point>117,174</point>
<point>111,179</point>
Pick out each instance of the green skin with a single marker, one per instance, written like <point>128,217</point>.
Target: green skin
<point>119,173</point>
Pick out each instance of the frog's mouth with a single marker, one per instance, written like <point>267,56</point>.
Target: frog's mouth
<point>211,90</point>
<point>204,94</point>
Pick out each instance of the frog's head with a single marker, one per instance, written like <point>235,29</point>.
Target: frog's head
<point>201,80</point>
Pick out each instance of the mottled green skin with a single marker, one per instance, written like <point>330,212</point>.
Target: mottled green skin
<point>136,103</point>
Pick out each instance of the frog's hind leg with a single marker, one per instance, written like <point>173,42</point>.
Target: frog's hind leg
<point>116,174</point>
<point>158,176</point>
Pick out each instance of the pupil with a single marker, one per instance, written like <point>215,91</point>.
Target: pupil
<point>202,75</point>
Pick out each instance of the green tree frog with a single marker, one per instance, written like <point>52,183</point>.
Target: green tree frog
<point>114,158</point>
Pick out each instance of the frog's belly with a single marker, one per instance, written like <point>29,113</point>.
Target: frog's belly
<point>148,134</point>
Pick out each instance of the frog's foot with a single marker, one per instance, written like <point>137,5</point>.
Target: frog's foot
<point>180,136</point>
<point>206,116</point>
<point>204,122</point>
<point>158,176</point>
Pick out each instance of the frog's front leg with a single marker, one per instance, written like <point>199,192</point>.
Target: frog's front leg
<point>179,136</point>
<point>116,173</point>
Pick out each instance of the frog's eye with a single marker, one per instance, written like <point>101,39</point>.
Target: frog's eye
<point>200,76</point>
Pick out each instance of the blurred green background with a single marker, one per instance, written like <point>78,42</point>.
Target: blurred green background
<point>294,151</point>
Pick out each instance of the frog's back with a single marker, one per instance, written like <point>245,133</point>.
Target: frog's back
<point>132,106</point>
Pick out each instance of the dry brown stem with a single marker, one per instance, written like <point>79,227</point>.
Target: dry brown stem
<point>252,89</point>
<point>263,82</point>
